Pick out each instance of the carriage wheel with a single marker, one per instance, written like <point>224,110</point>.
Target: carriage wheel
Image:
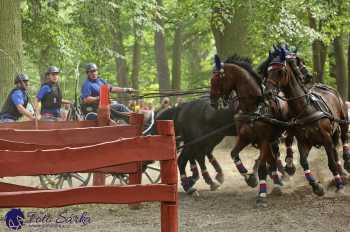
<point>64,180</point>
<point>152,172</point>
<point>117,179</point>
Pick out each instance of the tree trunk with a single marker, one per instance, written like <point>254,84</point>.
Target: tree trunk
<point>136,59</point>
<point>43,62</point>
<point>349,68</point>
<point>119,53</point>
<point>233,39</point>
<point>177,58</point>
<point>161,56</point>
<point>319,53</point>
<point>10,44</point>
<point>194,60</point>
<point>340,65</point>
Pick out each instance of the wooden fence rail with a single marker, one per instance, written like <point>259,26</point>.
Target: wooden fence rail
<point>94,157</point>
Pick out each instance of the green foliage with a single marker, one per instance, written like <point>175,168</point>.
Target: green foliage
<point>65,33</point>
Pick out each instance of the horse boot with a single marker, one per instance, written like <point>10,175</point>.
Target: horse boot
<point>187,185</point>
<point>317,188</point>
<point>261,201</point>
<point>195,173</point>
<point>277,189</point>
<point>250,179</point>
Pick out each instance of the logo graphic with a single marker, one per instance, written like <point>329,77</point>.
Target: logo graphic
<point>14,219</point>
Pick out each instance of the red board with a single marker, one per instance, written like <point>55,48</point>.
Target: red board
<point>90,194</point>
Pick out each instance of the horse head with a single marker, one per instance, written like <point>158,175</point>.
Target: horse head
<point>221,83</point>
<point>279,71</point>
<point>216,82</point>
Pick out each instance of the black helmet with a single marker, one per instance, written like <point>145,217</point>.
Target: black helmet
<point>21,77</point>
<point>52,69</point>
<point>90,67</point>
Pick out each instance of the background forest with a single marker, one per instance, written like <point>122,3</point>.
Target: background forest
<point>153,45</point>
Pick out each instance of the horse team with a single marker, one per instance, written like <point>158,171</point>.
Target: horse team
<point>261,106</point>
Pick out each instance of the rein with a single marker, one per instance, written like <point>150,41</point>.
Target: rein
<point>199,139</point>
<point>170,93</point>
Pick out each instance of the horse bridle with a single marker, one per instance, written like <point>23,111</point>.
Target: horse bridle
<point>283,67</point>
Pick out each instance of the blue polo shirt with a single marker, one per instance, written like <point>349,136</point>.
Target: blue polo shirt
<point>45,89</point>
<point>92,87</point>
<point>18,97</point>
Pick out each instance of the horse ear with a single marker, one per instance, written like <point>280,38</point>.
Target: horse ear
<point>217,62</point>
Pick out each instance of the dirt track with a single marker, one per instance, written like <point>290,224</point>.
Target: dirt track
<point>230,208</point>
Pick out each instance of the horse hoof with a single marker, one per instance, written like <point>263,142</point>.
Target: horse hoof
<point>220,178</point>
<point>261,202</point>
<point>195,194</point>
<point>251,180</point>
<point>194,179</point>
<point>214,186</point>
<point>340,190</point>
<point>318,189</point>
<point>290,170</point>
<point>187,183</point>
<point>276,191</point>
<point>191,191</point>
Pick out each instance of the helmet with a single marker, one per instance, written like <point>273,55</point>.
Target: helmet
<point>21,77</point>
<point>52,69</point>
<point>90,67</point>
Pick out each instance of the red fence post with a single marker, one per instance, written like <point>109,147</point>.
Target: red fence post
<point>136,120</point>
<point>168,168</point>
<point>103,118</point>
<point>136,178</point>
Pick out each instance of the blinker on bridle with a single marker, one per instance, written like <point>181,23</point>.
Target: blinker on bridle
<point>276,66</point>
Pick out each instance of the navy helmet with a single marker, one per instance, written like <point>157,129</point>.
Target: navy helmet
<point>21,77</point>
<point>52,69</point>
<point>90,67</point>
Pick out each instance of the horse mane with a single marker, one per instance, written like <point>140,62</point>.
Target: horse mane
<point>246,64</point>
<point>262,67</point>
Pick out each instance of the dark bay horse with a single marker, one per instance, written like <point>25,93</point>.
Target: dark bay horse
<point>193,120</point>
<point>320,116</point>
<point>255,123</point>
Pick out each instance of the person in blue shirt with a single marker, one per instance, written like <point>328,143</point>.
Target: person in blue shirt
<point>50,97</point>
<point>15,105</point>
<point>90,92</point>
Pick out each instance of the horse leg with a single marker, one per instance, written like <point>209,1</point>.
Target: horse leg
<point>304,150</point>
<point>219,173</point>
<point>205,173</point>
<point>346,146</point>
<point>332,156</point>
<point>273,162</point>
<point>250,179</point>
<point>194,170</point>
<point>290,167</point>
<point>277,154</point>
<point>341,170</point>
<point>186,182</point>
<point>261,200</point>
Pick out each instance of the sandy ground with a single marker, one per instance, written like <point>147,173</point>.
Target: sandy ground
<point>230,208</point>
